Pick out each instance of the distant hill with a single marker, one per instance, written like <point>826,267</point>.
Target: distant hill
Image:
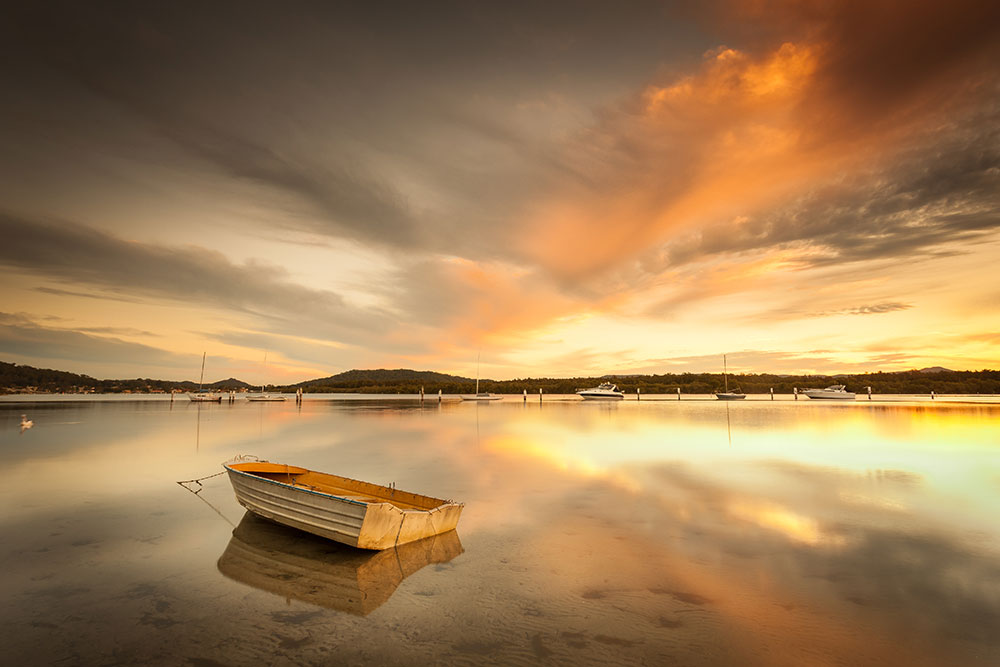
<point>231,383</point>
<point>383,380</point>
<point>935,369</point>
<point>17,378</point>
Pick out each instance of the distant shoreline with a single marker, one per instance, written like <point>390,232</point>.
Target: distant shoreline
<point>19,379</point>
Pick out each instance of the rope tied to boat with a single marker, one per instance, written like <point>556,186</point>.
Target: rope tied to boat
<point>184,483</point>
<point>198,481</point>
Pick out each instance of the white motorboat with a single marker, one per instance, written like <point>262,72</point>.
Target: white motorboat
<point>835,392</point>
<point>204,395</point>
<point>725,394</point>
<point>605,390</point>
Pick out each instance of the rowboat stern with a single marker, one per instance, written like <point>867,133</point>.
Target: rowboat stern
<point>386,526</point>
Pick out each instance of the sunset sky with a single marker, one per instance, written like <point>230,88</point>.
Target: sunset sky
<point>566,189</point>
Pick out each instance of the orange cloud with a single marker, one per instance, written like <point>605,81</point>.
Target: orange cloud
<point>752,130</point>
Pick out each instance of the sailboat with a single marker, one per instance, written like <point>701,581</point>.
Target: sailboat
<point>480,395</point>
<point>204,395</point>
<point>262,395</point>
<point>725,394</point>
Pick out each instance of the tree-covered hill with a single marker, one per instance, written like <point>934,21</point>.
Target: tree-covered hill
<point>382,381</point>
<point>16,378</point>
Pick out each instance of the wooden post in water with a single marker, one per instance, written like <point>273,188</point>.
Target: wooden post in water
<point>772,393</point>
<point>539,395</point>
<point>932,395</point>
<point>525,395</point>
<point>421,394</point>
<point>795,392</point>
<point>678,393</point>
<point>869,393</point>
<point>638,393</point>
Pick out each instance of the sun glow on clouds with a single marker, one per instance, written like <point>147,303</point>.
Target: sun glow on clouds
<point>819,171</point>
<point>718,143</point>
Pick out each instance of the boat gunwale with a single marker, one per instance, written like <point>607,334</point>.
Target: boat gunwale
<point>444,503</point>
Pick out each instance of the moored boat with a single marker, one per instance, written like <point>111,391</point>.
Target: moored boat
<point>725,394</point>
<point>480,395</point>
<point>204,395</point>
<point>605,390</point>
<point>834,392</point>
<point>265,397</point>
<point>356,513</point>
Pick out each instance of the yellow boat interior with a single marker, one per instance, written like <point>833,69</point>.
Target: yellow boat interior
<point>343,487</point>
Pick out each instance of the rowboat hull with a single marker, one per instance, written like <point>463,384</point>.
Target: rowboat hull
<point>356,513</point>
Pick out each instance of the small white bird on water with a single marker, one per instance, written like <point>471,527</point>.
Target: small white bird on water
<point>26,423</point>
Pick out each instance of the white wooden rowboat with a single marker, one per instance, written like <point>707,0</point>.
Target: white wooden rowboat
<point>356,513</point>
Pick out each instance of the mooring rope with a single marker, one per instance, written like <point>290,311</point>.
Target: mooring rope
<point>198,481</point>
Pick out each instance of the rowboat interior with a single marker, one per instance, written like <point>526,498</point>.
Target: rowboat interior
<point>341,487</point>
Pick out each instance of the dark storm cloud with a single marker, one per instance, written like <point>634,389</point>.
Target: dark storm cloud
<point>877,53</point>
<point>23,338</point>
<point>929,201</point>
<point>83,256</point>
<point>335,112</point>
<point>86,295</point>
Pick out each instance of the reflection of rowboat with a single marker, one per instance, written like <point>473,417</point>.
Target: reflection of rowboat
<point>303,567</point>
<point>359,514</point>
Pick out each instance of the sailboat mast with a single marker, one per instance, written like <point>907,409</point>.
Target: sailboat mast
<point>725,373</point>
<point>478,356</point>
<point>201,379</point>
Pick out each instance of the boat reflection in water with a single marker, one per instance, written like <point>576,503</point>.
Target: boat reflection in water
<point>300,566</point>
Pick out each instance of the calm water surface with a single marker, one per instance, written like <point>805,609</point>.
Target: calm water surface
<point>656,532</point>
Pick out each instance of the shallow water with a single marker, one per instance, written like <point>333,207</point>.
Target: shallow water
<point>664,532</point>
